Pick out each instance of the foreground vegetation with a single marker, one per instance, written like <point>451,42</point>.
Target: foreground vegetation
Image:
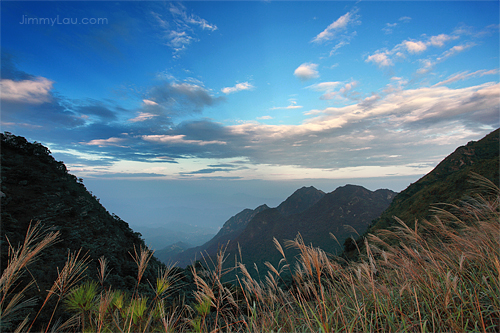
<point>443,275</point>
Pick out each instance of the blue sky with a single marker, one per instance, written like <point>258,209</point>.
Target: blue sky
<point>233,93</point>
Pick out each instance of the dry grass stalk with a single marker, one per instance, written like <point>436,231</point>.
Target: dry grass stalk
<point>20,258</point>
<point>141,259</point>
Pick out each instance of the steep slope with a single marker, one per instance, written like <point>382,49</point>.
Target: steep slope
<point>350,205</point>
<point>35,187</point>
<point>448,182</point>
<point>235,225</point>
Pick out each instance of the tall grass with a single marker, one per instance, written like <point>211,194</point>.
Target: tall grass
<point>439,275</point>
<point>12,292</point>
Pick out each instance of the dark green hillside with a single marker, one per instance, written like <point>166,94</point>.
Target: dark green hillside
<point>35,187</point>
<point>446,183</point>
<point>349,205</point>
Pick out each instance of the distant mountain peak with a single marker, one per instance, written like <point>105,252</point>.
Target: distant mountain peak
<point>300,200</point>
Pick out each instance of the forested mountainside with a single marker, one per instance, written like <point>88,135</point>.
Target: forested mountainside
<point>37,188</point>
<point>447,183</point>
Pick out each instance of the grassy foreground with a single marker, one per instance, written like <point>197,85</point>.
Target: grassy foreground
<point>444,275</point>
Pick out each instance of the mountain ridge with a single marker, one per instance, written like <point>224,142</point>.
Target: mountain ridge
<point>351,205</point>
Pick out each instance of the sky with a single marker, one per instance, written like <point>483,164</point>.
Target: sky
<point>187,112</point>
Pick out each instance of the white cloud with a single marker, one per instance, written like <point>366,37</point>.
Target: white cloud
<point>306,71</point>
<point>471,31</point>
<point>178,40</point>
<point>201,22</point>
<point>439,40</point>
<point>348,87</point>
<point>179,11</point>
<point>293,105</point>
<point>105,142</point>
<point>142,116</point>
<point>466,75</point>
<point>312,112</point>
<point>369,102</point>
<point>265,118</point>
<point>342,92</point>
<point>149,102</point>
<point>380,58</point>
<point>329,89</point>
<point>180,139</point>
<point>237,87</point>
<point>385,58</point>
<point>161,22</point>
<point>339,30</point>
<point>3,123</point>
<point>344,40</point>
<point>389,28</point>
<point>180,32</point>
<point>324,86</point>
<point>333,29</point>
<point>392,130</point>
<point>415,47</point>
<point>431,105</point>
<point>456,49</point>
<point>428,64</point>
<point>338,46</point>
<point>35,91</point>
<point>396,85</point>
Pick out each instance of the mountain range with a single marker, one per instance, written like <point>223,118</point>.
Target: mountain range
<point>345,212</point>
<point>310,212</point>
